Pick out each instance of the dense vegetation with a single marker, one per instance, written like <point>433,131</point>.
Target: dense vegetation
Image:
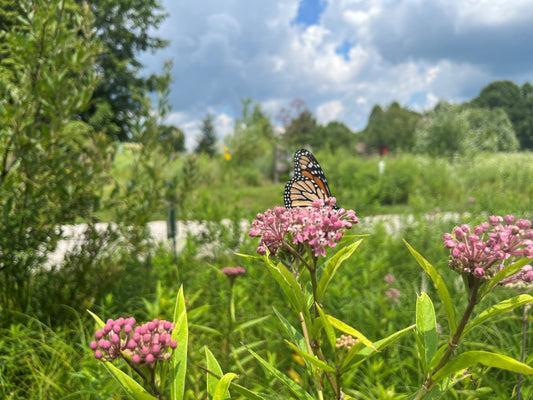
<point>61,163</point>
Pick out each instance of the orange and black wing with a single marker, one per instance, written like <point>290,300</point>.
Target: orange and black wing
<point>308,184</point>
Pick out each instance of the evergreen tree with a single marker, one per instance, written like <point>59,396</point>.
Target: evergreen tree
<point>208,137</point>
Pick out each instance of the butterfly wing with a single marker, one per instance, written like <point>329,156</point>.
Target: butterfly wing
<point>305,164</point>
<point>308,184</point>
<point>301,192</point>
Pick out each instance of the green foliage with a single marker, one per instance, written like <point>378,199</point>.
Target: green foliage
<point>252,144</point>
<point>392,129</point>
<point>516,102</point>
<point>52,165</point>
<point>208,137</point>
<point>125,30</point>
<point>334,136</point>
<point>452,131</point>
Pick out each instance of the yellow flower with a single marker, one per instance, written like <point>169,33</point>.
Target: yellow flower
<point>227,156</point>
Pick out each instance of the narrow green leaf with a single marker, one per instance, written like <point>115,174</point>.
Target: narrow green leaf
<point>246,392</point>
<point>328,328</point>
<point>501,275</point>
<point>332,266</point>
<point>500,308</point>
<point>294,333</point>
<point>97,319</point>
<point>132,388</point>
<point>252,322</point>
<point>221,391</point>
<point>312,359</point>
<point>354,350</point>
<point>438,355</point>
<point>471,358</point>
<point>178,361</point>
<point>426,327</point>
<point>292,386</point>
<point>368,352</point>
<point>214,367</point>
<point>341,326</point>
<point>288,284</point>
<point>442,290</point>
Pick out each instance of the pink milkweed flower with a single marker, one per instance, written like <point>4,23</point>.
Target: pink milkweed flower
<point>486,249</point>
<point>319,226</point>
<point>389,278</point>
<point>393,294</point>
<point>144,344</point>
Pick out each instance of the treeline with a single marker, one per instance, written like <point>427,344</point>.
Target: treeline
<point>499,119</point>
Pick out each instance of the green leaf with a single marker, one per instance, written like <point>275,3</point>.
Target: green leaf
<point>426,327</point>
<point>178,361</point>
<point>292,386</point>
<point>332,266</point>
<point>437,356</point>
<point>132,388</point>
<point>500,308</point>
<point>214,367</point>
<point>246,392</point>
<point>442,290</point>
<point>368,352</point>
<point>501,275</point>
<point>471,358</point>
<point>97,319</point>
<point>252,322</point>
<point>221,391</point>
<point>288,284</point>
<point>295,335</point>
<point>341,326</point>
<point>311,358</point>
<point>328,328</point>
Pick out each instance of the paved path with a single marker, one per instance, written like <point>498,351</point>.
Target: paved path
<point>74,233</point>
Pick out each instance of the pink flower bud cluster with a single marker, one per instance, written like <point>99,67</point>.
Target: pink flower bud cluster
<point>233,271</point>
<point>482,252</point>
<point>144,344</point>
<point>320,226</point>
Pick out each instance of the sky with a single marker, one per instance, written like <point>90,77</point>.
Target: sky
<point>341,57</point>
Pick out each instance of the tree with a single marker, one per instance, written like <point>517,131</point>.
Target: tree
<point>301,130</point>
<point>208,138</point>
<point>392,129</point>
<point>124,28</point>
<point>334,135</point>
<point>516,102</point>
<point>452,130</point>
<point>52,165</point>
<point>253,137</point>
<point>172,138</point>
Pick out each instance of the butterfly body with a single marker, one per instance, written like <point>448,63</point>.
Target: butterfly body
<point>309,182</point>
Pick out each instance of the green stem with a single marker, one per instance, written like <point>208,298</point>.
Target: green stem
<point>316,341</point>
<point>454,342</point>
<point>523,356</point>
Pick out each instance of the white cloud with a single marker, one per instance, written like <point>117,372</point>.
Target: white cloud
<point>445,49</point>
<point>329,111</point>
<point>223,125</point>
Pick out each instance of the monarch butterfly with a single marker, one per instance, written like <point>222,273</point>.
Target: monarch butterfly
<point>308,184</point>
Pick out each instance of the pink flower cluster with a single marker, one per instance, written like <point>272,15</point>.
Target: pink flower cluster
<point>319,226</point>
<point>233,271</point>
<point>144,344</point>
<point>481,252</point>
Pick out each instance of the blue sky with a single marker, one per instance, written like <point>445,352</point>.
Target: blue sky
<point>341,57</point>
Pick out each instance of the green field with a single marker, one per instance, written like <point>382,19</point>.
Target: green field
<point>52,360</point>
